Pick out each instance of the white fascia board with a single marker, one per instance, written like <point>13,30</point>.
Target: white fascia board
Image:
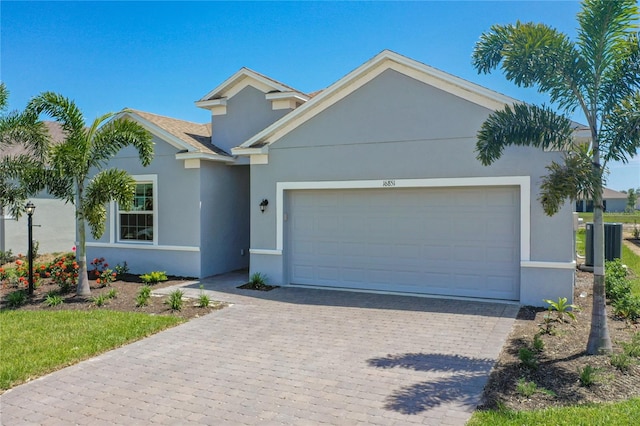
<point>204,156</point>
<point>367,72</point>
<point>159,132</point>
<point>210,103</point>
<point>262,83</point>
<point>287,95</point>
<point>250,151</point>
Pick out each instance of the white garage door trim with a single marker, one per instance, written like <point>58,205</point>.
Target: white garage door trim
<point>523,182</point>
<point>403,240</point>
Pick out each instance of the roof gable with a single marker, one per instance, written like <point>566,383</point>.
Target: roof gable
<point>241,79</point>
<point>362,75</point>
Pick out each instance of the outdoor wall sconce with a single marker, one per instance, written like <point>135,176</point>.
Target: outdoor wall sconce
<point>30,208</point>
<point>263,205</point>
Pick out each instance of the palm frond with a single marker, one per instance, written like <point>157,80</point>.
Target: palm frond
<point>604,26</point>
<point>569,180</point>
<point>61,109</point>
<point>522,125</point>
<point>118,134</point>
<point>108,185</point>
<point>534,55</point>
<point>620,136</point>
<point>623,77</point>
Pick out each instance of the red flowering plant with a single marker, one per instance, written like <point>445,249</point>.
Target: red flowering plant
<point>64,272</point>
<point>101,272</point>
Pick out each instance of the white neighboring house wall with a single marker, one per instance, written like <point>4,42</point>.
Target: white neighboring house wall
<point>53,228</point>
<point>53,219</point>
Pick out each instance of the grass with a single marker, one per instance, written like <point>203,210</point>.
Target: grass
<point>594,414</point>
<point>632,261</point>
<point>614,217</point>
<point>35,343</point>
<point>629,258</point>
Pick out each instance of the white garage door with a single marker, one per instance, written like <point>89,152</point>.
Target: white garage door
<point>451,241</point>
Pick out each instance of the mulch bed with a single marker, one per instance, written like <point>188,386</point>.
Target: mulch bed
<point>126,289</point>
<point>561,360</point>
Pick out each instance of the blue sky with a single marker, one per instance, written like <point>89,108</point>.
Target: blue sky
<point>162,56</point>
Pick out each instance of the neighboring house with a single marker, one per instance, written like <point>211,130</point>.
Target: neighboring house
<point>371,184</point>
<point>614,202</point>
<point>53,219</point>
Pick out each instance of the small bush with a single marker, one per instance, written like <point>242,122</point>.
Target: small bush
<point>587,375</point>
<point>122,269</point>
<point>154,277</point>
<point>53,299</point>
<point>621,361</point>
<point>203,299</point>
<point>64,272</point>
<point>538,343</point>
<point>99,300</point>
<point>112,294</point>
<point>175,301</point>
<point>627,307</point>
<point>15,299</point>
<point>6,257</point>
<point>258,279</point>
<point>617,288</point>
<point>632,348</point>
<point>526,388</point>
<point>615,269</point>
<point>561,308</point>
<point>528,358</point>
<point>144,294</point>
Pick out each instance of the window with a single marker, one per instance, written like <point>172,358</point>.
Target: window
<point>137,224</point>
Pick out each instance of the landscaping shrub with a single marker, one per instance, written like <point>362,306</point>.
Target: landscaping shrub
<point>53,299</point>
<point>101,272</point>
<point>203,299</point>
<point>528,358</point>
<point>16,298</point>
<point>587,375</point>
<point>627,307</point>
<point>154,277</point>
<point>144,294</point>
<point>175,301</point>
<point>64,272</point>
<point>6,257</point>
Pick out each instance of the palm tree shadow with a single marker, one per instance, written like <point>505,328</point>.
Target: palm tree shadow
<point>463,382</point>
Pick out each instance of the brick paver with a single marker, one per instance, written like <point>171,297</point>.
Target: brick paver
<point>290,356</point>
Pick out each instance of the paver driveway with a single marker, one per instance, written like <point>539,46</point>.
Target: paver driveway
<point>289,356</point>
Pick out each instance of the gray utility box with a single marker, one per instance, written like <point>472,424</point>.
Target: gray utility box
<point>612,242</point>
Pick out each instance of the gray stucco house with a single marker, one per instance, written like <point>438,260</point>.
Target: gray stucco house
<point>614,202</point>
<point>370,185</point>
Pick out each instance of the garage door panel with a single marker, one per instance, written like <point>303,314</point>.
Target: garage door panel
<point>449,241</point>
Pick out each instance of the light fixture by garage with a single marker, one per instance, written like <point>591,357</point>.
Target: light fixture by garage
<point>263,205</point>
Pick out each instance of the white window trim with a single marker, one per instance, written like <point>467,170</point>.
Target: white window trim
<point>115,234</point>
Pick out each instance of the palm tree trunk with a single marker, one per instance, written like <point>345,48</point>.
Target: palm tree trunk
<point>83,288</point>
<point>599,339</point>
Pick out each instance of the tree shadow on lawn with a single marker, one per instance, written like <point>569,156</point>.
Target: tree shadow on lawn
<point>462,383</point>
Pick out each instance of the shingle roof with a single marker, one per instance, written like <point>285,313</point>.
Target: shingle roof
<point>194,134</point>
<point>55,132</point>
<point>611,194</point>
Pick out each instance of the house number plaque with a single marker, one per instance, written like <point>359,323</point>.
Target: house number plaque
<point>388,183</point>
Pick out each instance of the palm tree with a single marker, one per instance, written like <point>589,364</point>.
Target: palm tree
<point>25,130</point>
<point>85,151</point>
<point>597,74</point>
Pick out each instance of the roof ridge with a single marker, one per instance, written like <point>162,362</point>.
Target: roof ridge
<point>165,116</point>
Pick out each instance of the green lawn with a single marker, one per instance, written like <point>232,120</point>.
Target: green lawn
<point>592,415</point>
<point>614,217</point>
<point>37,342</point>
